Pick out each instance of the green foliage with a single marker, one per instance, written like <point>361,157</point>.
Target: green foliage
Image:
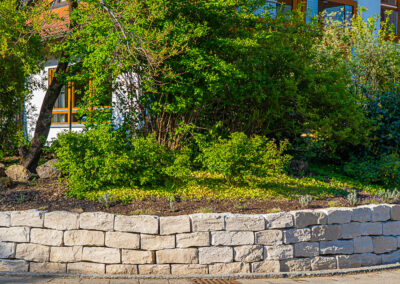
<point>305,200</point>
<point>352,198</point>
<point>389,196</point>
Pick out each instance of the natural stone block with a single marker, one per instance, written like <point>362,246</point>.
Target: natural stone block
<point>5,219</point>
<point>14,265</point>
<point>370,259</point>
<point>384,244</point>
<point>151,242</point>
<point>279,220</point>
<point>338,215</point>
<point>189,269</point>
<point>19,235</point>
<point>32,252</point>
<point>245,223</point>
<point>96,221</point>
<point>28,218</point>
<point>207,222</point>
<point>361,214</point>
<point>61,220</point>
<point>48,267</point>
<point>323,263</point>
<point>122,240</point>
<point>232,238</point>
<point>371,229</point>
<point>306,218</point>
<point>297,264</point>
<point>380,212</point>
<point>7,250</point>
<point>18,173</point>
<point>326,232</point>
<point>154,269</point>
<point>83,238</point>
<point>269,238</point>
<point>174,225</point>
<point>86,268</point>
<point>337,247</point>
<point>187,255</point>
<point>229,268</point>
<point>49,170</point>
<point>306,249</point>
<point>391,228</point>
<point>137,256</point>
<point>136,224</point>
<point>395,212</point>
<point>66,254</point>
<point>296,235</point>
<point>266,266</point>
<point>348,261</point>
<point>101,255</point>
<point>200,239</point>
<point>392,257</point>
<point>122,269</point>
<point>249,253</point>
<point>209,255</point>
<point>351,230</point>
<point>46,237</point>
<point>279,252</point>
<point>363,245</point>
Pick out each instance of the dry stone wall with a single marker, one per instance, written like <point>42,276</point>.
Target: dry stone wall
<point>102,243</point>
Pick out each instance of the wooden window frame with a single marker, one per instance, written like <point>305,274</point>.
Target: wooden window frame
<point>396,7</point>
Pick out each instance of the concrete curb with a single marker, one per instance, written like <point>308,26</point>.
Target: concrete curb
<point>220,276</point>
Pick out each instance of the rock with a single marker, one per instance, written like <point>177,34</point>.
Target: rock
<point>392,257</point>
<point>210,255</point>
<point>101,255</point>
<point>279,220</point>
<point>14,265</point>
<point>200,239</point>
<point>86,268</point>
<point>299,166</point>
<point>245,223</point>
<point>384,244</point>
<point>61,220</point>
<point>49,170</point>
<point>122,240</point>
<point>229,268</point>
<point>306,218</point>
<point>83,238</point>
<point>154,269</point>
<point>127,269</point>
<point>269,238</point>
<point>47,267</point>
<point>337,247</point>
<point>32,252</point>
<point>371,229</point>
<point>351,230</point>
<point>7,250</point>
<point>395,212</point>
<point>137,224</point>
<point>266,266</point>
<point>297,264</point>
<point>66,254</point>
<point>323,263</point>
<point>361,214</point>
<point>17,234</point>
<point>46,237</point>
<point>97,221</point>
<point>28,218</point>
<point>296,235</point>
<point>5,182</point>
<point>137,256</point>
<point>5,219</point>
<point>279,252</point>
<point>174,225</point>
<point>189,269</point>
<point>18,173</point>
<point>326,232</point>
<point>152,242</point>
<point>249,253</point>
<point>338,215</point>
<point>306,249</point>
<point>370,259</point>
<point>348,261</point>
<point>363,245</point>
<point>2,170</point>
<point>232,238</point>
<point>379,212</point>
<point>391,228</point>
<point>179,256</point>
<point>208,222</point>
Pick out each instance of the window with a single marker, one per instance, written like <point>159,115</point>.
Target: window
<point>337,10</point>
<point>392,6</point>
<point>59,3</point>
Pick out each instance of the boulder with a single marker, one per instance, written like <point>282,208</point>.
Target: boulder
<point>49,170</point>
<point>18,173</point>
<point>5,182</point>
<point>2,170</point>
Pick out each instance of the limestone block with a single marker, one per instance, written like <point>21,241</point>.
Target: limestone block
<point>351,230</point>
<point>7,250</point>
<point>391,228</point>
<point>225,238</point>
<point>371,229</point>
<point>46,237</point>
<point>338,215</point>
<point>323,263</point>
<point>121,269</point>
<point>152,242</point>
<point>66,254</point>
<point>279,220</point>
<point>296,235</point>
<point>296,264</point>
<point>61,220</point>
<point>249,253</point>
<point>361,214</point>
<point>101,255</point>
<point>83,238</point>
<point>210,255</point>
<point>266,266</point>
<point>48,267</point>
<point>14,265</point>
<point>96,221</point>
<point>392,257</point>
<point>137,256</point>
<point>348,261</point>
<point>179,256</point>
<point>363,245</point>
<point>189,269</point>
<point>19,234</point>
<point>174,225</point>
<point>306,218</point>
<point>32,252</point>
<point>86,268</point>
<point>269,238</point>
<point>154,269</point>
<point>245,223</point>
<point>380,212</point>
<point>395,212</point>
<point>308,249</point>
<point>200,239</point>
<point>384,244</point>
<point>49,170</point>
<point>279,252</point>
<point>5,219</point>
<point>326,232</point>
<point>337,247</point>
<point>207,222</point>
<point>370,259</point>
<point>229,268</point>
<point>28,218</point>
<point>122,240</point>
<point>137,224</point>
<point>18,173</point>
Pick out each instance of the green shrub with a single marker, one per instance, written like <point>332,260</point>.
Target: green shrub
<point>243,159</point>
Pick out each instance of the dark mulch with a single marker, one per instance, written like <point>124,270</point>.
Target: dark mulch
<point>50,195</point>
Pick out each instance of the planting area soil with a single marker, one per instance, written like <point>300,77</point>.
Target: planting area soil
<point>51,195</point>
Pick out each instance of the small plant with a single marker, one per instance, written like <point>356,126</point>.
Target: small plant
<point>274,210</point>
<point>240,205</point>
<point>172,207</point>
<point>371,200</point>
<point>205,210</point>
<point>107,200</point>
<point>388,196</point>
<point>21,198</point>
<point>305,200</point>
<point>352,198</point>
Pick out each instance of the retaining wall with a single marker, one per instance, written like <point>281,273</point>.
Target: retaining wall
<point>102,243</point>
